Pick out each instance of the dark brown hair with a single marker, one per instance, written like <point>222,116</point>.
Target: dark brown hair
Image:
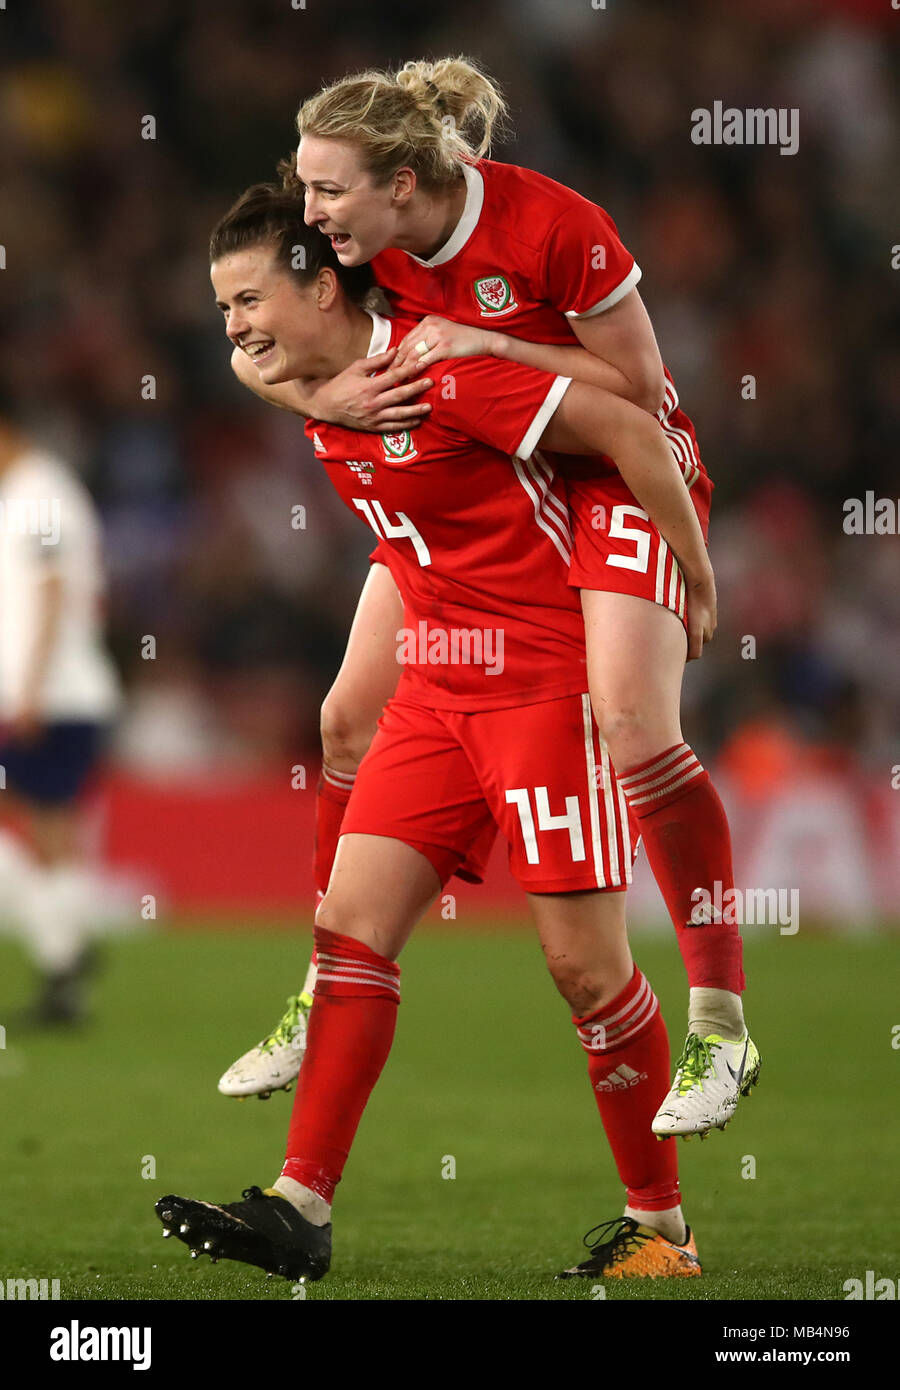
<point>267,214</point>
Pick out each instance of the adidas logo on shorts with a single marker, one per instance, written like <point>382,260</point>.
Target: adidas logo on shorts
<point>620,1079</point>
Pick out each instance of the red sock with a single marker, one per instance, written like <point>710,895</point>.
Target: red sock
<point>351,1028</point>
<point>332,795</point>
<point>685,831</point>
<point>628,1063</point>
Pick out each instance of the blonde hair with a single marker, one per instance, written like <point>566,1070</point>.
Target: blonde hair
<point>429,117</point>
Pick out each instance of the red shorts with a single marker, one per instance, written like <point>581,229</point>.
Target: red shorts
<point>617,548</point>
<point>473,866</point>
<point>439,779</point>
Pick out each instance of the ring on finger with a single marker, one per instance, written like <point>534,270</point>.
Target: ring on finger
<point>422,347</point>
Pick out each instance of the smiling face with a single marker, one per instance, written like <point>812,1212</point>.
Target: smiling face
<point>358,216</point>
<point>271,315</point>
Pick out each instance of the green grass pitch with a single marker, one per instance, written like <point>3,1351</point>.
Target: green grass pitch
<point>486,1070</point>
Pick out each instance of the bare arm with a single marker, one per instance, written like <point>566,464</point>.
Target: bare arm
<point>288,395</point>
<point>355,398</point>
<point>590,421</point>
<point>618,353</point>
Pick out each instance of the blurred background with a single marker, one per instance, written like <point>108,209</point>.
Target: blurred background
<point>755,264</point>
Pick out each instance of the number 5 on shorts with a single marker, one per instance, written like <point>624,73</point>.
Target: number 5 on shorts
<point>640,539</point>
<point>571,821</point>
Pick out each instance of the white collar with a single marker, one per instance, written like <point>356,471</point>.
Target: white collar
<point>380,340</point>
<point>467,222</point>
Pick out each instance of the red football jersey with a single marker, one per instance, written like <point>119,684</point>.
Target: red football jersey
<point>527,256</point>
<point>474,529</point>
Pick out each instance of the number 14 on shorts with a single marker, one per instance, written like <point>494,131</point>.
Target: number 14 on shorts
<point>520,797</point>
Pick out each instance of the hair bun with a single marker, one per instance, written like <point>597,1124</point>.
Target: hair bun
<point>432,116</point>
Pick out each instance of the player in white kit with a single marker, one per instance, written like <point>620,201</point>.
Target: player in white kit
<point>59,692</point>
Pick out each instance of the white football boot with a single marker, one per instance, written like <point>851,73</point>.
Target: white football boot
<point>710,1077</point>
<point>274,1063</point>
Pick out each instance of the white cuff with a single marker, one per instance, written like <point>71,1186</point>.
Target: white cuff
<point>612,298</point>
<point>533,434</point>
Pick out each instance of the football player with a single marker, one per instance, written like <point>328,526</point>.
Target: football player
<point>491,719</point>
<point>58,693</point>
<point>505,261</point>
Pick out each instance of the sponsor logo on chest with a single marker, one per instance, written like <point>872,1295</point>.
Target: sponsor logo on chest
<point>494,296</point>
<point>398,447</point>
